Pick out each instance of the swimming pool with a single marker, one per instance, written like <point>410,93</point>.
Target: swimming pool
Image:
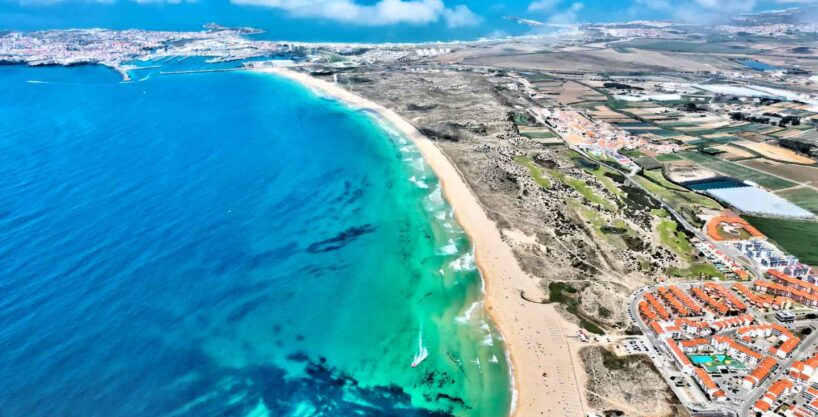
<point>700,359</point>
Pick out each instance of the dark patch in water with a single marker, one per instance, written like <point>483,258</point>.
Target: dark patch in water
<point>299,357</point>
<point>272,256</point>
<point>341,239</point>
<point>243,310</point>
<point>325,390</point>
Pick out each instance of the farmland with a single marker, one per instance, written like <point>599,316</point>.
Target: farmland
<point>797,237</point>
<point>738,171</point>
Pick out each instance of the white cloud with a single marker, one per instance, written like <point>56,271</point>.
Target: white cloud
<point>543,5</point>
<point>698,11</point>
<point>460,16</point>
<point>383,12</point>
<point>568,16</point>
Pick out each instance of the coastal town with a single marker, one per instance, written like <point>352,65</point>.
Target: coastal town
<point>657,196</point>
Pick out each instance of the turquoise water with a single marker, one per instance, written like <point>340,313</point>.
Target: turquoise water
<point>227,244</point>
<point>700,359</point>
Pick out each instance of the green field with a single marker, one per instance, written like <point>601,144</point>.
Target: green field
<point>671,193</point>
<point>803,197</point>
<point>798,237</point>
<point>535,171</point>
<point>673,239</point>
<point>695,271</point>
<point>583,189</point>
<point>538,134</point>
<point>668,157</point>
<point>738,171</point>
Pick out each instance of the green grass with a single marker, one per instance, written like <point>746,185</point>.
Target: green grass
<point>660,213</point>
<point>803,197</point>
<point>684,201</point>
<point>695,270</point>
<point>583,189</point>
<point>597,222</point>
<point>668,157</point>
<point>658,177</point>
<point>798,237</point>
<point>538,134</point>
<point>606,181</point>
<point>674,239</point>
<point>631,153</point>
<point>738,171</point>
<point>648,163</point>
<point>535,171</point>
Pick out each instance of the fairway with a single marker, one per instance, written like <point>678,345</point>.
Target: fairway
<point>738,171</point>
<point>804,197</point>
<point>797,237</point>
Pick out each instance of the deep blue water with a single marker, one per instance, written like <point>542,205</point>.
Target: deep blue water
<point>714,183</point>
<point>221,245</point>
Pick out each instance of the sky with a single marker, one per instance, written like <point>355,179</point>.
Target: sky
<point>364,20</point>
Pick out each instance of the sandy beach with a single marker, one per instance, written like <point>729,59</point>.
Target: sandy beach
<point>548,380</point>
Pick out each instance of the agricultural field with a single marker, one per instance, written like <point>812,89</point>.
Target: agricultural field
<point>571,92</point>
<point>804,197</point>
<point>668,157</point>
<point>775,153</point>
<point>738,171</point>
<point>797,237</point>
<point>794,173</point>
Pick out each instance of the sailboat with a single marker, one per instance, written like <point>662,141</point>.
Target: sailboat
<point>422,352</point>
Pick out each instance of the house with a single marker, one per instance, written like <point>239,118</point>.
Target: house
<point>760,373</point>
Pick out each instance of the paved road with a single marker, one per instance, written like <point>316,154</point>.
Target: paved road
<point>659,357</point>
<point>807,345</point>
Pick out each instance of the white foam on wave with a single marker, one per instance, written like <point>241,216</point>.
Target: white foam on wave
<point>466,316</point>
<point>449,249</point>
<point>464,262</point>
<point>419,182</point>
<point>435,198</point>
<point>494,359</point>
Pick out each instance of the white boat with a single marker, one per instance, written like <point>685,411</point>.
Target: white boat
<point>422,352</point>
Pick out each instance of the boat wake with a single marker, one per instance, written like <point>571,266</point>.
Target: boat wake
<point>422,351</point>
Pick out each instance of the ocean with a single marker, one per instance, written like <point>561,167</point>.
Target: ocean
<point>227,244</point>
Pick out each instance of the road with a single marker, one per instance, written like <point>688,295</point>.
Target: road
<point>659,357</point>
<point>807,345</point>
<point>732,252</point>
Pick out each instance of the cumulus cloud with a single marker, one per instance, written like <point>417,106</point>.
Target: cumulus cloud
<point>383,12</point>
<point>568,16</point>
<point>460,16</point>
<point>698,11</point>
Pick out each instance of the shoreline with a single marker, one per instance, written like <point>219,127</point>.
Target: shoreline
<point>523,326</point>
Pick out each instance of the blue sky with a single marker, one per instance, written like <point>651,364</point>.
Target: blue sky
<point>362,20</point>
